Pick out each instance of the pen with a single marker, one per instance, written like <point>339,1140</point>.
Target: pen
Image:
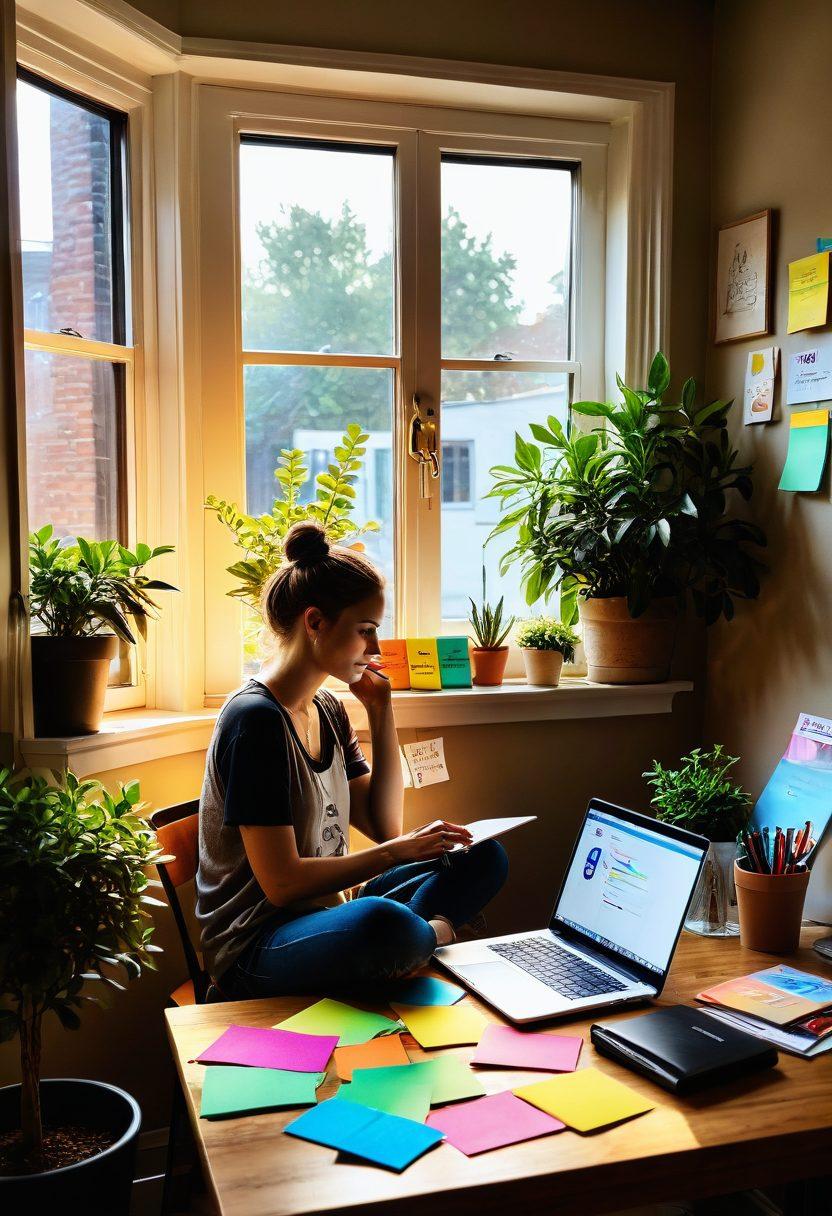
<point>789,842</point>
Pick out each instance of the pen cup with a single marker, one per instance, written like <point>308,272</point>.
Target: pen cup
<point>770,909</point>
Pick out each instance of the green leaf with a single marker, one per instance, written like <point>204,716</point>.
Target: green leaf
<point>658,378</point>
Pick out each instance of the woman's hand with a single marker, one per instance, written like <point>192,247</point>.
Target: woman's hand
<point>372,690</point>
<point>428,842</point>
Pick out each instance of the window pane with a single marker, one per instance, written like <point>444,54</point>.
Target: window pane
<point>316,233</point>
<point>72,444</point>
<point>480,413</point>
<point>310,408</point>
<point>65,215</point>
<point>506,237</point>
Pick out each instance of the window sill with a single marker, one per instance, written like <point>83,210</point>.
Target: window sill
<point>132,737</point>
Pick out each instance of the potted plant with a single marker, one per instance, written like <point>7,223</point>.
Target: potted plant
<point>700,796</point>
<point>630,518</point>
<point>490,653</point>
<point>81,596</point>
<point>546,645</point>
<point>73,903</point>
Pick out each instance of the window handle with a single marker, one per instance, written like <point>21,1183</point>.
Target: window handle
<point>422,445</point>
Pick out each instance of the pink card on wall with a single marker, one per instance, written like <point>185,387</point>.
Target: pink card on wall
<point>503,1045</point>
<point>263,1048</point>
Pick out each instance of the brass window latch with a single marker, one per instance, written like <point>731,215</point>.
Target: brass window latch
<point>422,445</point>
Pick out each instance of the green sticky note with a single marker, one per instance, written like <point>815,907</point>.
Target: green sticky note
<point>334,1017</point>
<point>396,1091</point>
<point>229,1089</point>
<point>447,1078</point>
<point>806,457</point>
<point>454,664</point>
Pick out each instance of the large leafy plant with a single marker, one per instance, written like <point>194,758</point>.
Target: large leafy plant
<point>261,537</point>
<point>73,907</point>
<point>700,795</point>
<point>636,507</point>
<point>78,589</point>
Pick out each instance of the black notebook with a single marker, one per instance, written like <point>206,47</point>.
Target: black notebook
<point>682,1049</point>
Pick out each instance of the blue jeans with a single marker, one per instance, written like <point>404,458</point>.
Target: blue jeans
<point>382,934</point>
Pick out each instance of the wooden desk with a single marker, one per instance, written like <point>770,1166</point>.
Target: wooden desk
<point>768,1129</point>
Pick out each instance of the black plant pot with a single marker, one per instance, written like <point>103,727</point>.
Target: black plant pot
<point>69,682</point>
<point>98,1186</point>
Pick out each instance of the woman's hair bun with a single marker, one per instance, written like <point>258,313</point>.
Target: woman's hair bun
<point>306,543</point>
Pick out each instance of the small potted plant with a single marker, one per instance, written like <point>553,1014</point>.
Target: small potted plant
<point>546,645</point>
<point>81,597</point>
<point>701,797</point>
<point>73,902</point>
<point>490,653</point>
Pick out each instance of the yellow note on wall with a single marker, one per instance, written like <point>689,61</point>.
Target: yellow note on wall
<point>808,292</point>
<point>423,658</point>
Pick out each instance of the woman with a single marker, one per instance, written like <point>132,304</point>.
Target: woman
<point>285,777</point>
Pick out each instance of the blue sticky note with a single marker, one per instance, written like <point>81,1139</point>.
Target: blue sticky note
<point>824,243</point>
<point>383,1139</point>
<point>422,990</point>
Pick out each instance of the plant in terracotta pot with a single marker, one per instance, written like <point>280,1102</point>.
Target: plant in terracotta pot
<point>73,907</point>
<point>546,645</point>
<point>701,797</point>
<point>629,519</point>
<point>81,596</point>
<point>490,633</point>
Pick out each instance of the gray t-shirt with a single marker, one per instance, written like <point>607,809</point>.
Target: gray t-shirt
<point>257,771</point>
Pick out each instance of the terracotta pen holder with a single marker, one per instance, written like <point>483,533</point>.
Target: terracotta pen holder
<point>770,909</point>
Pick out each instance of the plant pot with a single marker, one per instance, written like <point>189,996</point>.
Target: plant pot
<point>543,667</point>
<point>712,911</point>
<point>771,909</point>
<point>98,1186</point>
<point>489,665</point>
<point>69,682</point>
<point>621,649</point>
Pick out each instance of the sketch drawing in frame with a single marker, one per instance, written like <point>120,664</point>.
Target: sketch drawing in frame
<point>741,306</point>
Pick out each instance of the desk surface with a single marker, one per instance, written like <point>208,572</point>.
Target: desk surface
<point>771,1128</point>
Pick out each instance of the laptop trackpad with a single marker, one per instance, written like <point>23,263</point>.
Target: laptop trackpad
<point>508,986</point>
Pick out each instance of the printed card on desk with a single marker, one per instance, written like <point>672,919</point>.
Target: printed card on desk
<point>454,663</point>
<point>759,385</point>
<point>423,658</point>
<point>810,376</point>
<point>426,761</point>
<point>394,662</point>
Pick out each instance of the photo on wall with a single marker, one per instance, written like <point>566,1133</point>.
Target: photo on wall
<point>741,301</point>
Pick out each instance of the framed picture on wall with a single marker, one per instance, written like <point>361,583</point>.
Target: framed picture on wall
<point>741,302</point>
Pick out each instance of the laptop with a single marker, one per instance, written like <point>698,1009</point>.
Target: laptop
<point>613,931</point>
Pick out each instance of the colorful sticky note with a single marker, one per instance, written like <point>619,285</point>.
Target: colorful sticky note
<point>442,1025</point>
<point>423,659</point>
<point>394,662</point>
<point>383,1139</point>
<point>503,1045</point>
<point>454,663</point>
<point>486,1123</point>
<point>262,1048</point>
<point>424,990</point>
<point>585,1100</point>
<point>348,1024</point>
<point>451,1080</point>
<point>806,456</point>
<point>231,1090</point>
<point>398,1091</point>
<point>808,292</point>
<point>388,1051</point>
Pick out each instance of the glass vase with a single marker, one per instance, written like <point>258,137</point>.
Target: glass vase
<point>712,911</point>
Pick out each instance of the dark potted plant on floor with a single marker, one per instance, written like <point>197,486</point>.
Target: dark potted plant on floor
<point>73,903</point>
<point>629,519</point>
<point>546,645</point>
<point>700,796</point>
<point>490,653</point>
<point>81,597</point>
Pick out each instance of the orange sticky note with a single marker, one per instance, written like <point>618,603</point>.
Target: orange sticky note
<point>378,1053</point>
<point>395,664</point>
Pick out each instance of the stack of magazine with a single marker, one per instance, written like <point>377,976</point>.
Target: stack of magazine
<point>791,1009</point>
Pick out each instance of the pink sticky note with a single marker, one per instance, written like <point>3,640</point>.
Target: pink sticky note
<point>525,1049</point>
<point>263,1048</point>
<point>490,1122</point>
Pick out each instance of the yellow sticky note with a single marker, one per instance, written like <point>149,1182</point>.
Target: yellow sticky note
<point>423,658</point>
<point>758,360</point>
<point>808,292</point>
<point>442,1025</point>
<point>585,1100</point>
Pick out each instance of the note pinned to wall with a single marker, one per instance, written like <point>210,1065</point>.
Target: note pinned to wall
<point>810,376</point>
<point>758,400</point>
<point>808,445</point>
<point>426,762</point>
<point>808,292</point>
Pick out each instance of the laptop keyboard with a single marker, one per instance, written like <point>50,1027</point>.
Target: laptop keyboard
<point>566,973</point>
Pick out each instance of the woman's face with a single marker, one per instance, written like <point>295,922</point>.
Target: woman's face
<point>344,647</point>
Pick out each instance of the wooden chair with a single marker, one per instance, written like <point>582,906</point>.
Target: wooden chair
<point>177,828</point>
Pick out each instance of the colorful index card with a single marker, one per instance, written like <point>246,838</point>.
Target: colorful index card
<point>262,1048</point>
<point>808,292</point>
<point>394,662</point>
<point>398,1091</point>
<point>451,1079</point>
<point>442,1025</point>
<point>806,456</point>
<point>423,660</point>
<point>424,990</point>
<point>388,1051</point>
<point>585,1100</point>
<point>232,1090</point>
<point>486,1123</point>
<point>511,1048</point>
<point>349,1024</point>
<point>383,1139</point>
<point>454,663</point>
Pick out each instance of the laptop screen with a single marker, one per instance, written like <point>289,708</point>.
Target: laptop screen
<point>628,888</point>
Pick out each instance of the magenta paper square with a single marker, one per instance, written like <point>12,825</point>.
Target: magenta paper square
<point>485,1123</point>
<point>262,1048</point>
<point>524,1049</point>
